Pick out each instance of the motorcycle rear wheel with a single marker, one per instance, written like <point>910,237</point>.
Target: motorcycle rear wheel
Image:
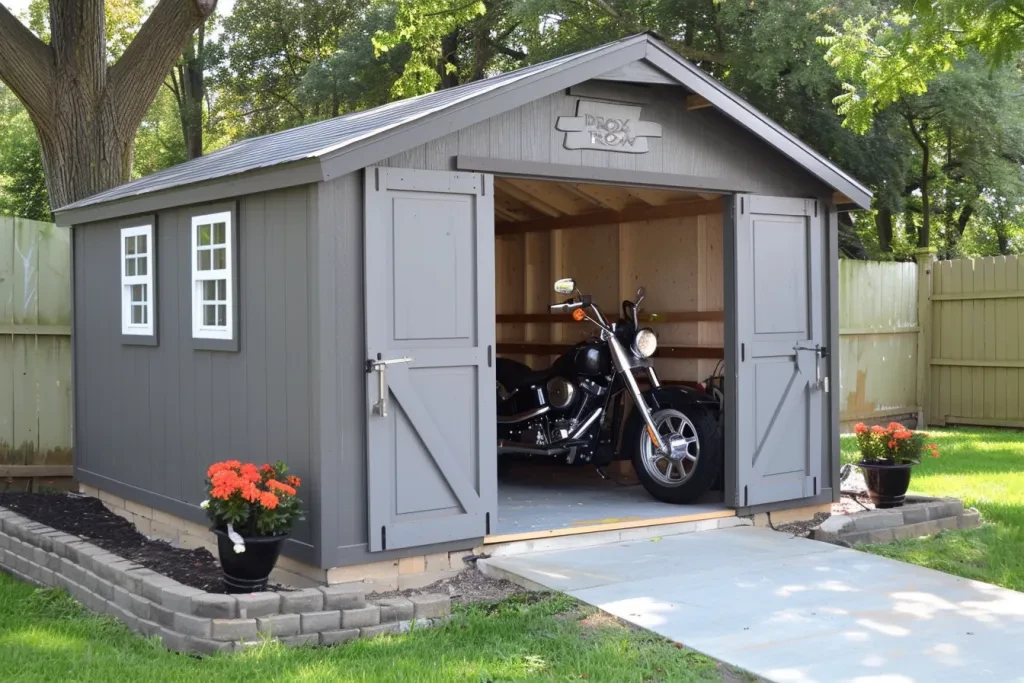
<point>687,479</point>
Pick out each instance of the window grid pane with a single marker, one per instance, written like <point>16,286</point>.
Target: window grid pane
<point>212,270</point>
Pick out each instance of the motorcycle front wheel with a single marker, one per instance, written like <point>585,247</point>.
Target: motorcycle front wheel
<point>686,479</point>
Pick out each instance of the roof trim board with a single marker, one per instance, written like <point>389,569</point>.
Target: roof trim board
<point>403,127</point>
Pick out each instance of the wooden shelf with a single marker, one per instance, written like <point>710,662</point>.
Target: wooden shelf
<point>652,318</point>
<point>555,348</point>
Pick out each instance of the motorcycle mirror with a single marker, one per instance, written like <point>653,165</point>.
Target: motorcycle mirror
<point>640,293</point>
<point>565,286</point>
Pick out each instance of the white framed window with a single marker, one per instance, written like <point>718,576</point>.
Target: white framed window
<point>138,267</point>
<point>213,307</point>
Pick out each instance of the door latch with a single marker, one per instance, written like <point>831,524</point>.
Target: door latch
<point>821,352</point>
<point>380,406</point>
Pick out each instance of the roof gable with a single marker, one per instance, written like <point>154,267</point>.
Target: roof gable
<point>359,139</point>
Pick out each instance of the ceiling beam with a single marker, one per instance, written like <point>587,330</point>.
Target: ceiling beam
<point>608,196</point>
<point>697,102</point>
<point>629,215</point>
<point>550,193</point>
<point>526,198</point>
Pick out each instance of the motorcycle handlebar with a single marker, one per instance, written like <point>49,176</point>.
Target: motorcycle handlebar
<point>572,305</point>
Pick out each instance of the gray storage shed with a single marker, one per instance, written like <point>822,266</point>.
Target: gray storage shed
<point>227,307</point>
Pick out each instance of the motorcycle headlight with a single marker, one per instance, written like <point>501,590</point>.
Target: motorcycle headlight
<point>646,343</point>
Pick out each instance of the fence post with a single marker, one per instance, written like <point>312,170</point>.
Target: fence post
<point>925,260</point>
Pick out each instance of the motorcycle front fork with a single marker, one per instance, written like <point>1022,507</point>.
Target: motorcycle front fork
<point>624,367</point>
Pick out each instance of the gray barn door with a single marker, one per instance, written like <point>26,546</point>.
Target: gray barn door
<point>779,327</point>
<point>431,431</point>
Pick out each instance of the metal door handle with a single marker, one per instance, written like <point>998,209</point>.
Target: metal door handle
<point>380,406</point>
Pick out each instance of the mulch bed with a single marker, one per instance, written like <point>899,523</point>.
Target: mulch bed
<point>87,517</point>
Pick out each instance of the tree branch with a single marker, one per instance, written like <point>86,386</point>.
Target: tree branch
<point>26,66</point>
<point>137,75</point>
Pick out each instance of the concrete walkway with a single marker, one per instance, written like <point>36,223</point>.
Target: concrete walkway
<point>793,610</point>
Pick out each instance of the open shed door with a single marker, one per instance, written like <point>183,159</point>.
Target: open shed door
<point>430,402</point>
<point>780,378</point>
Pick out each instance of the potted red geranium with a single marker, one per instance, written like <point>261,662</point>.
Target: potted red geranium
<point>888,455</point>
<point>253,509</point>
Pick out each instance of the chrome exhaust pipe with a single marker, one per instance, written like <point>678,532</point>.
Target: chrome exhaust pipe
<point>525,415</point>
<point>510,447</point>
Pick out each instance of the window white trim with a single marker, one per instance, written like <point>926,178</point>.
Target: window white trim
<point>213,284</point>
<point>138,272</point>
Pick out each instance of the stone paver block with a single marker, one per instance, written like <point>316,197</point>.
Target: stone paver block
<point>208,647</point>
<point>81,553</point>
<point>176,642</point>
<point>97,563</point>
<point>252,605</point>
<point>152,586</point>
<point>916,530</point>
<point>122,598</point>
<point>339,636</point>
<point>378,630</point>
<point>140,606</point>
<point>235,629</point>
<point>300,601</point>
<point>344,596</point>
<point>879,519</point>
<point>39,557</point>
<point>947,523</point>
<point>60,543</point>
<point>176,597</point>
<point>395,609</point>
<point>149,628</point>
<point>215,605</point>
<point>162,615</point>
<point>128,578</point>
<point>431,605</point>
<point>303,640</point>
<point>191,626</point>
<point>915,514</point>
<point>971,519</point>
<point>279,625</point>
<point>945,508</point>
<point>360,617</point>
<point>313,622</point>
<point>44,576</point>
<point>5,541</point>
<point>125,617</point>
<point>104,588</point>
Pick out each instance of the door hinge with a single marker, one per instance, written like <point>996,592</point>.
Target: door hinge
<point>746,496</point>
<point>489,351</point>
<point>487,524</point>
<point>741,206</point>
<point>383,538</point>
<point>743,352</point>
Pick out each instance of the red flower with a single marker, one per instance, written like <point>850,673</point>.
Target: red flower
<point>269,500</point>
<point>250,473</point>
<point>294,481</point>
<point>275,484</point>
<point>877,430</point>
<point>860,428</point>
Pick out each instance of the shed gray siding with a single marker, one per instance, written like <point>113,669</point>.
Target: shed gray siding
<point>149,420</point>
<point>699,142</point>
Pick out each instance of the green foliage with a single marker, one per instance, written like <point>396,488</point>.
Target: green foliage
<point>424,25</point>
<point>22,184</point>
<point>895,444</point>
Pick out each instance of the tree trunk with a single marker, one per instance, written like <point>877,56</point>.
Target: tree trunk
<point>449,56</point>
<point>883,225</point>
<point>86,112</point>
<point>193,91</point>
<point>924,234</point>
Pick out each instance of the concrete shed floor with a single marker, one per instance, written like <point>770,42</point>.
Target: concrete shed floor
<point>794,610</point>
<point>538,496</point>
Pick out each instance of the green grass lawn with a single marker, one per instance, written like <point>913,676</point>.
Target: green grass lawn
<point>45,635</point>
<point>985,468</point>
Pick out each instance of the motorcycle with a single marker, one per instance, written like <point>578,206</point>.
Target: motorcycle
<point>573,410</point>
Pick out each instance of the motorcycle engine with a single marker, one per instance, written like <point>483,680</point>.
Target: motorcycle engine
<point>561,392</point>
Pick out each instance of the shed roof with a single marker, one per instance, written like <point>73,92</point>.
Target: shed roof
<point>335,137</point>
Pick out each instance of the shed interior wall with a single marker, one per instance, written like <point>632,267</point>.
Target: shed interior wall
<point>677,260</point>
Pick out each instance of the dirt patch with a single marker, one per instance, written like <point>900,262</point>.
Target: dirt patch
<point>87,518</point>
<point>469,585</point>
<point>600,620</point>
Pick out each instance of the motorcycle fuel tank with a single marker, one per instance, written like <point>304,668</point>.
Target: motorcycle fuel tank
<point>592,358</point>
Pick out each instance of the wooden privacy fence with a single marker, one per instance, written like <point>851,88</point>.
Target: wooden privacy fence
<point>977,342</point>
<point>939,340</point>
<point>878,341</point>
<point>35,349</point>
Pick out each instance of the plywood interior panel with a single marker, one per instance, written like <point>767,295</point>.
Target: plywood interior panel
<point>678,260</point>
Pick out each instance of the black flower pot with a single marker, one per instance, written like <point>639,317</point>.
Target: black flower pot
<point>248,572</point>
<point>887,482</point>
